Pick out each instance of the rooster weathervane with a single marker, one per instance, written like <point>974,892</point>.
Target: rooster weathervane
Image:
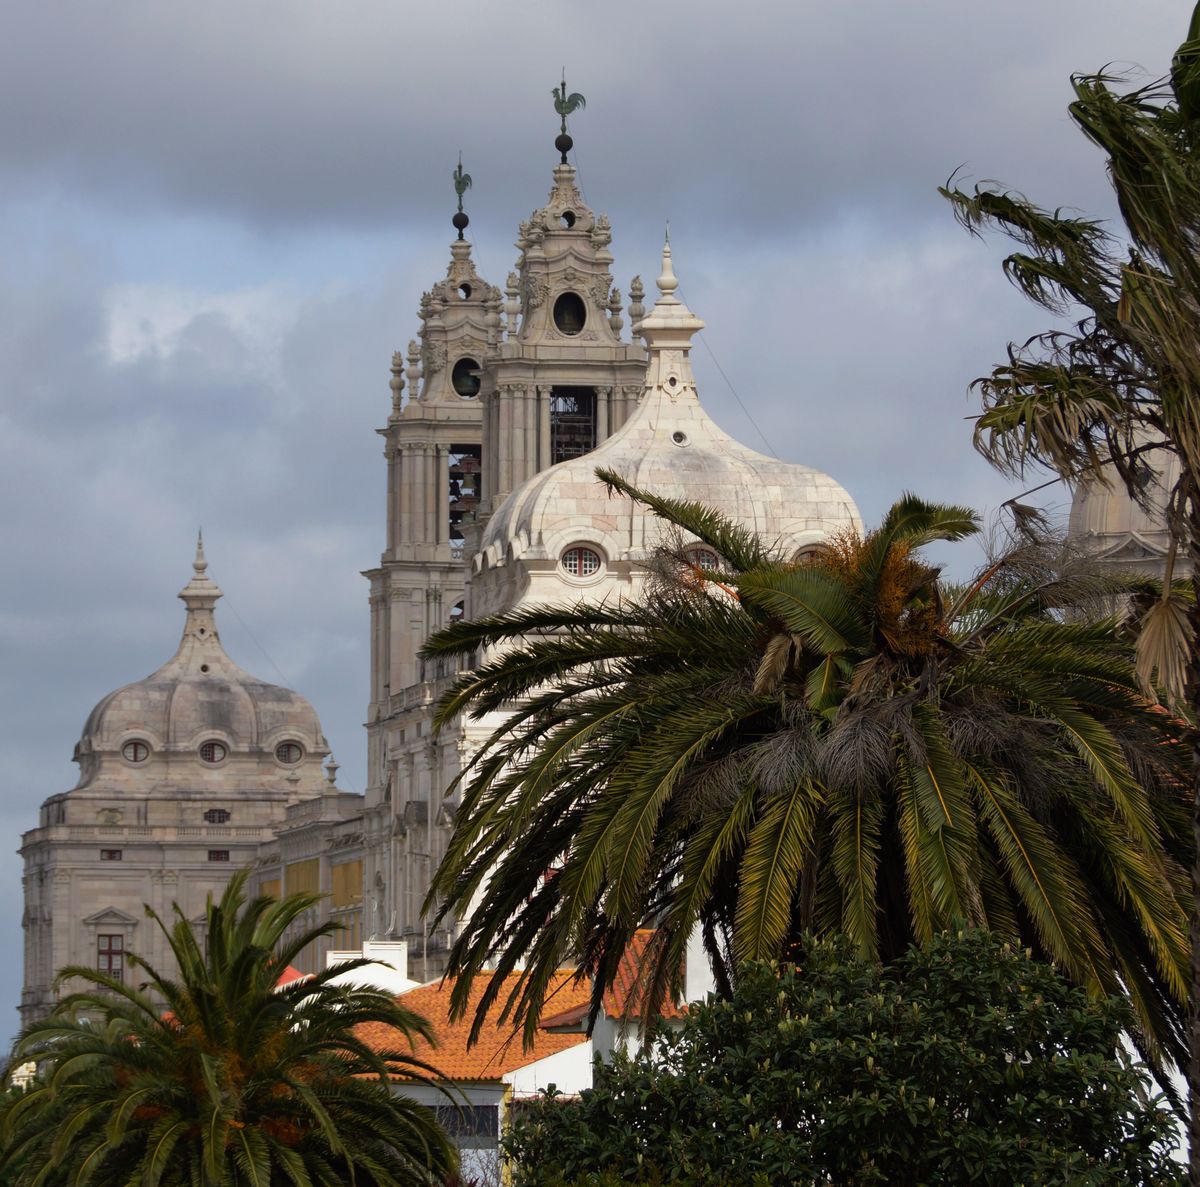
<point>565,104</point>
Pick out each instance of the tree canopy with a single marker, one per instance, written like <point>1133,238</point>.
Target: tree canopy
<point>839,743</point>
<point>1113,396</point>
<point>220,1077</point>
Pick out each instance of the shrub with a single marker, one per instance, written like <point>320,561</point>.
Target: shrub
<point>964,1062</point>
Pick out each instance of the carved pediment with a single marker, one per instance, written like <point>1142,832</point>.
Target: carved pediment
<point>110,917</point>
<point>1131,547</point>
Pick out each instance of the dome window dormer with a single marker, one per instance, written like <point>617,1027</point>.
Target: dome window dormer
<point>581,562</point>
<point>289,753</point>
<point>213,752</point>
<point>135,752</point>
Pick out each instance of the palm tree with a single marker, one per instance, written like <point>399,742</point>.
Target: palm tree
<point>221,1078</point>
<point>1115,394</point>
<point>844,744</point>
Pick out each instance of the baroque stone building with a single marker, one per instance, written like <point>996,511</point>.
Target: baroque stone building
<point>1114,528</point>
<point>493,501</point>
<point>501,411</point>
<point>183,776</point>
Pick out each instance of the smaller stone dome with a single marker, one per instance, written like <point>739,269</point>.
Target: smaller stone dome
<point>201,710</point>
<point>669,446</point>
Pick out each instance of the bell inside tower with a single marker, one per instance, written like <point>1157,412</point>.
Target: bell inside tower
<point>464,474</point>
<point>572,422</point>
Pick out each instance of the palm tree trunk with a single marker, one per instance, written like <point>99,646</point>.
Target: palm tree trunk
<point>1193,693</point>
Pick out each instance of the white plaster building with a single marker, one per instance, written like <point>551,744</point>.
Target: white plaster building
<point>182,777</point>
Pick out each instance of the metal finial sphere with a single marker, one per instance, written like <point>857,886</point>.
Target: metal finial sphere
<point>564,144</point>
<point>461,222</point>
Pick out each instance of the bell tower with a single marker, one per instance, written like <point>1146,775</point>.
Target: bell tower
<point>433,450</point>
<point>562,381</point>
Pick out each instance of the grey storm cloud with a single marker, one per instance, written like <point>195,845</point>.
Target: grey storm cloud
<point>219,218</point>
<point>742,115</point>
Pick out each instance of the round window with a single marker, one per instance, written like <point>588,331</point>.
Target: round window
<point>135,751</point>
<point>703,558</point>
<point>570,313</point>
<point>212,751</point>
<point>581,562</point>
<point>464,378</point>
<point>289,752</point>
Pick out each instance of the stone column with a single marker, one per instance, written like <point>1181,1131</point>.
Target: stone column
<point>543,408</point>
<point>529,450</point>
<point>504,442</point>
<point>602,399</point>
<point>441,478</point>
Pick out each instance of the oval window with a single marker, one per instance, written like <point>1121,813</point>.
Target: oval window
<point>212,752</point>
<point>570,313</point>
<point>289,752</point>
<point>135,751</point>
<point>581,562</point>
<point>216,816</point>
<point>465,378</point>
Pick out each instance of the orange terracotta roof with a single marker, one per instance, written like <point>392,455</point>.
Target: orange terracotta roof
<point>498,1050</point>
<point>621,999</point>
<point>289,975</point>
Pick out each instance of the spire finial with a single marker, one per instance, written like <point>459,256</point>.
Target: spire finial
<point>462,183</point>
<point>201,593</point>
<point>667,282</point>
<point>565,104</point>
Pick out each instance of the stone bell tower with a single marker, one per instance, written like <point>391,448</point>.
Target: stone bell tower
<point>432,446</point>
<point>563,380</point>
<point>501,388</point>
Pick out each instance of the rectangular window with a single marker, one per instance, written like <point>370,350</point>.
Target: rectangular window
<point>218,855</point>
<point>464,491</point>
<point>302,877</point>
<point>110,855</point>
<point>572,422</point>
<point>110,955</point>
<point>473,1127</point>
<point>347,884</point>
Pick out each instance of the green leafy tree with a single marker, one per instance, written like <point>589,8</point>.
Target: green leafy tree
<point>963,1062</point>
<point>840,745</point>
<point>1112,398</point>
<point>220,1078</point>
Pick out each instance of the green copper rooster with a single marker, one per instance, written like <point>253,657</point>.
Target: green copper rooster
<point>565,104</point>
<point>462,183</point>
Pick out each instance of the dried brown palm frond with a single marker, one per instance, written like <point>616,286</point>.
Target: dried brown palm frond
<point>1164,646</point>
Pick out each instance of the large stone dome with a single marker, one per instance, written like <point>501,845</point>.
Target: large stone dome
<point>201,711</point>
<point>669,446</point>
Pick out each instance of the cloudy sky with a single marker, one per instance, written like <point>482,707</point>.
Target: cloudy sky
<point>218,218</point>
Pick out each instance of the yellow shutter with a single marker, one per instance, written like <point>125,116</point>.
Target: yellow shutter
<point>303,877</point>
<point>269,889</point>
<point>347,884</point>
